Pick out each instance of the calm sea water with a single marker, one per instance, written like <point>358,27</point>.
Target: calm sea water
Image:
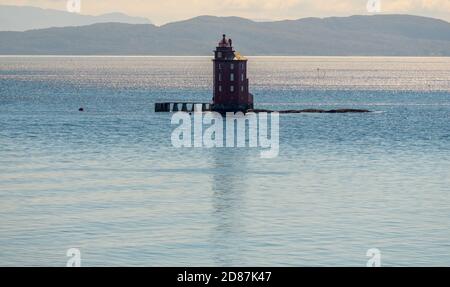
<point>109,182</point>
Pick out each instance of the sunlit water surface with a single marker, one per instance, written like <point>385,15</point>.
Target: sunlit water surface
<point>109,182</point>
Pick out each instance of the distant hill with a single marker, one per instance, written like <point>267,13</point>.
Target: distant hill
<point>379,35</point>
<point>22,18</point>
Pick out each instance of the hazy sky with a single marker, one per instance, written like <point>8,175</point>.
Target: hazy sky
<point>163,11</point>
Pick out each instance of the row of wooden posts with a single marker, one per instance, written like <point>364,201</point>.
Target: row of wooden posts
<point>185,107</point>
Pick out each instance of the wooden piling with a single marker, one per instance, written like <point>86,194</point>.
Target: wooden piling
<point>185,107</point>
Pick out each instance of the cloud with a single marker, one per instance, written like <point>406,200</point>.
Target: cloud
<point>259,4</point>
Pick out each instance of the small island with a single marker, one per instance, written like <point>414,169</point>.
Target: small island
<point>231,88</point>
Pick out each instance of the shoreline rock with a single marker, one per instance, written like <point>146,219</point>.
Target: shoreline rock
<point>313,111</point>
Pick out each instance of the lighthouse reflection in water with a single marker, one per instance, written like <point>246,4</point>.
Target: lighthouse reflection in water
<point>235,130</point>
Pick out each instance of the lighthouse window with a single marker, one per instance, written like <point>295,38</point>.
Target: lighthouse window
<point>232,66</point>
<point>242,88</point>
<point>220,76</point>
<point>220,66</point>
<point>220,88</point>
<point>231,88</point>
<point>219,54</point>
<point>232,77</point>
<point>242,66</point>
<point>242,77</point>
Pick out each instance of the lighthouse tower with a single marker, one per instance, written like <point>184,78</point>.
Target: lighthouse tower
<point>231,92</point>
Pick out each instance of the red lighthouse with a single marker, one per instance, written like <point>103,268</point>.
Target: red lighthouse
<point>231,92</point>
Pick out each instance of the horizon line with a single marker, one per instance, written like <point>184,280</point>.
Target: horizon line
<point>193,56</point>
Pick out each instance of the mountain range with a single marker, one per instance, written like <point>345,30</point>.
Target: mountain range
<point>377,35</point>
<point>22,18</point>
